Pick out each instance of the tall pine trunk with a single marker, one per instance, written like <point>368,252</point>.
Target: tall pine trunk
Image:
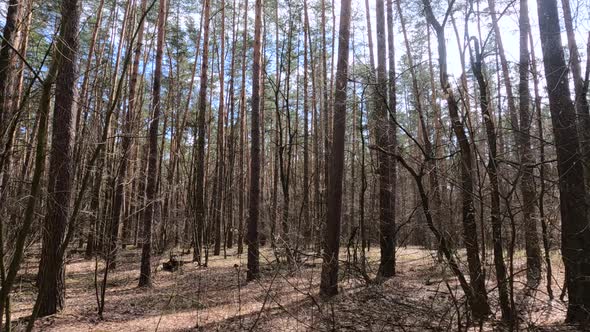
<point>199,226</point>
<point>5,54</point>
<point>580,88</point>
<point>51,267</point>
<point>241,182</point>
<point>575,235</point>
<point>220,176</point>
<point>384,164</point>
<point>329,279</point>
<point>145,273</point>
<point>254,208</point>
<point>527,187</point>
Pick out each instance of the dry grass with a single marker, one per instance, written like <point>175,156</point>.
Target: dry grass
<point>419,298</point>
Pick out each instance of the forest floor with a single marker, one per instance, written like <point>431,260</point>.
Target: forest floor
<point>217,298</point>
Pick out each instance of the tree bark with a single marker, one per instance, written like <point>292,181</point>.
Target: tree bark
<point>220,176</point>
<point>383,140</point>
<point>542,171</point>
<point>51,266</point>
<point>306,193</point>
<point>5,54</point>
<point>392,131</point>
<point>241,182</point>
<point>199,226</point>
<point>254,208</point>
<point>575,235</point>
<point>527,188</point>
<point>145,279</point>
<point>581,91</point>
<point>329,279</point>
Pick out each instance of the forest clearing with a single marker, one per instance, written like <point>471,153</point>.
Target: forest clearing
<point>209,298</point>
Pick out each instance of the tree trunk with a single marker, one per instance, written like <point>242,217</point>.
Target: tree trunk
<point>6,73</point>
<point>513,117</point>
<point>581,91</point>
<point>575,235</point>
<point>5,54</point>
<point>229,194</point>
<point>542,172</point>
<point>36,181</point>
<point>306,193</point>
<point>199,226</point>
<point>492,169</point>
<point>51,266</point>
<point>241,182</point>
<point>254,209</point>
<point>220,176</point>
<point>145,273</point>
<point>532,247</point>
<point>392,127</point>
<point>126,141</point>
<point>383,140</point>
<point>329,279</point>
<point>479,302</point>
